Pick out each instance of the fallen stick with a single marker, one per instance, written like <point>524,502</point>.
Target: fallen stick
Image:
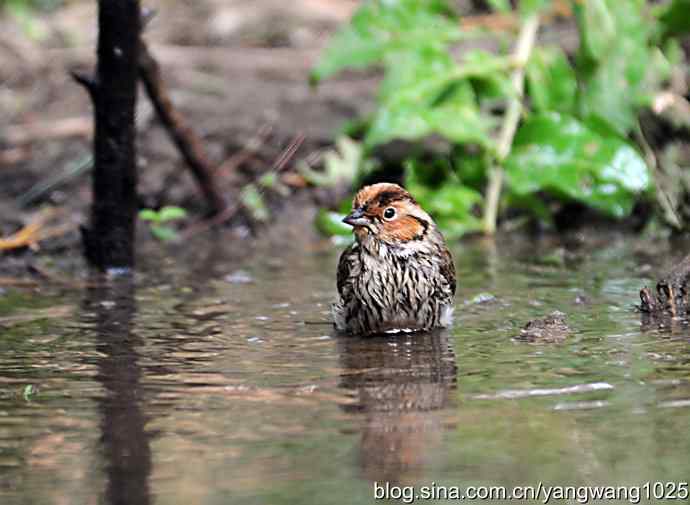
<point>183,136</point>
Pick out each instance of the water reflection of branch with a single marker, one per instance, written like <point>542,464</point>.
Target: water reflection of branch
<point>401,383</point>
<point>126,444</point>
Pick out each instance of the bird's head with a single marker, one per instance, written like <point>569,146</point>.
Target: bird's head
<point>387,213</point>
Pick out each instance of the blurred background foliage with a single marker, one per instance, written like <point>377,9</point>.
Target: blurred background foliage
<point>44,5</point>
<point>579,138</point>
<point>24,11</point>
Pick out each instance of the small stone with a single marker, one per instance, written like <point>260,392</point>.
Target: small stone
<point>239,277</point>
<point>551,328</point>
<point>581,299</point>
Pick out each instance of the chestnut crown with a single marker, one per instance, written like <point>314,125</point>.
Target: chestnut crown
<point>389,213</point>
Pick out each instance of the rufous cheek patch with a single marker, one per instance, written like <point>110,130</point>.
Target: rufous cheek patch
<point>403,229</point>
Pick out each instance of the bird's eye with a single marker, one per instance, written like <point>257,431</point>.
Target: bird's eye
<point>389,213</point>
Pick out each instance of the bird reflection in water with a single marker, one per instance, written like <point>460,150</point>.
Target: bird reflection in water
<point>401,383</point>
<point>126,444</point>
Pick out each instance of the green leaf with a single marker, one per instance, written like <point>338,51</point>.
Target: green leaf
<point>164,233</point>
<point>674,19</point>
<point>597,27</point>
<point>171,213</point>
<point>406,70</point>
<point>598,102</point>
<point>428,93</point>
<point>28,391</point>
<point>617,69</point>
<point>471,166</point>
<point>331,224</point>
<point>271,180</point>
<point>528,7</point>
<point>557,154</point>
<point>460,123</point>
<point>493,84</point>
<point>500,5</point>
<point>344,164</point>
<point>397,122</point>
<point>254,202</point>
<point>449,201</point>
<point>551,81</point>
<point>149,215</point>
<point>381,26</point>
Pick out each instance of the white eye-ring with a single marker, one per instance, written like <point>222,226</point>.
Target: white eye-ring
<point>389,213</point>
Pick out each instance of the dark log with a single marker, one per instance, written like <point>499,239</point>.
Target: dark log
<point>672,293</point>
<point>188,143</point>
<point>109,238</point>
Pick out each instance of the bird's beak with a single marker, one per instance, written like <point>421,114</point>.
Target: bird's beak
<point>356,218</point>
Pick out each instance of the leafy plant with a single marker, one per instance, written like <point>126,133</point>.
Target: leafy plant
<point>158,220</point>
<point>556,153</point>
<point>550,126</point>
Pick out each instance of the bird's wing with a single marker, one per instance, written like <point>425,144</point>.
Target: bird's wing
<point>448,268</point>
<point>345,266</point>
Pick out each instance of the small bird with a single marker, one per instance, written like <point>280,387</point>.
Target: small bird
<point>399,274</point>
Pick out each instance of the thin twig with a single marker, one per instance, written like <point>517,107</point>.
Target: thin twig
<point>278,165</point>
<point>664,199</point>
<point>244,154</point>
<point>185,139</point>
<point>72,171</point>
<point>523,49</point>
<point>287,154</point>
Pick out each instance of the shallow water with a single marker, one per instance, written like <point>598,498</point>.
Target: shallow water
<point>221,384</point>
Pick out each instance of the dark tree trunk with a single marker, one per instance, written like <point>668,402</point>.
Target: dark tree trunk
<point>109,239</point>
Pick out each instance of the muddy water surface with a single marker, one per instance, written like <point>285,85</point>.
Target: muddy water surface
<point>220,383</point>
